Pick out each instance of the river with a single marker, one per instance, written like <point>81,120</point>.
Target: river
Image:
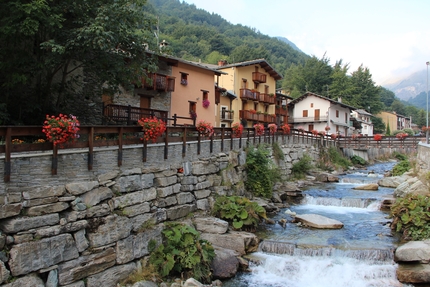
<point>358,255</point>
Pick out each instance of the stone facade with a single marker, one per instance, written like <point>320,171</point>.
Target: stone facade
<point>94,226</point>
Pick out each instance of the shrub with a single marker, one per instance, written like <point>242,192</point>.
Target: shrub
<point>332,158</point>
<point>411,216</point>
<point>183,253</point>
<point>240,212</point>
<point>400,168</point>
<point>399,156</point>
<point>355,159</point>
<point>303,166</point>
<point>278,154</point>
<point>261,172</point>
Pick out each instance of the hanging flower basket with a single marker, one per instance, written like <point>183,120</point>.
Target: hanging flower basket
<point>152,128</point>
<point>314,132</point>
<point>285,129</point>
<point>301,129</point>
<point>333,136</point>
<point>259,129</point>
<point>401,136</point>
<point>206,103</point>
<point>327,128</point>
<point>273,128</point>
<point>237,130</point>
<point>424,129</point>
<point>377,137</point>
<point>61,129</point>
<point>205,128</point>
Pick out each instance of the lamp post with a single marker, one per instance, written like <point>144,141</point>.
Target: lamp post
<point>427,115</point>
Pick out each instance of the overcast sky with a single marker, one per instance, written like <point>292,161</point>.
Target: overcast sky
<point>390,37</point>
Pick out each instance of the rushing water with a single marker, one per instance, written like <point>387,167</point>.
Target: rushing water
<point>358,255</point>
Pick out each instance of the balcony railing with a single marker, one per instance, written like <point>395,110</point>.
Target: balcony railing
<point>226,115</point>
<point>267,98</point>
<point>263,118</point>
<point>258,77</point>
<point>246,94</point>
<point>307,119</point>
<point>129,114</point>
<point>281,111</point>
<point>160,83</point>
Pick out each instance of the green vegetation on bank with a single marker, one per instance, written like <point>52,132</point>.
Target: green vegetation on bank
<point>182,253</point>
<point>411,217</point>
<point>261,172</point>
<point>240,212</point>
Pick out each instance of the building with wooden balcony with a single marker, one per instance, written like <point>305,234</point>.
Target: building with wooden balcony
<point>314,112</point>
<point>394,120</point>
<point>178,89</point>
<point>254,85</point>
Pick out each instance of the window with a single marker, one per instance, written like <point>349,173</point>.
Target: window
<point>305,113</point>
<point>337,113</point>
<point>312,105</point>
<point>310,128</point>
<point>184,78</point>
<point>192,110</point>
<point>244,84</point>
<point>346,118</point>
<point>205,101</point>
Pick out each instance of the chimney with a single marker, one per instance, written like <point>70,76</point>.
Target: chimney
<point>339,99</point>
<point>222,63</point>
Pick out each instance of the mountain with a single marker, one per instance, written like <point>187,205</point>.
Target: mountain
<point>408,88</point>
<point>197,35</point>
<point>283,39</point>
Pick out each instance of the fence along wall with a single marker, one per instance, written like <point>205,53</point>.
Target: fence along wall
<point>93,226</point>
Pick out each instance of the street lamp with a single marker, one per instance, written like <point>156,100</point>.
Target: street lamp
<point>427,115</point>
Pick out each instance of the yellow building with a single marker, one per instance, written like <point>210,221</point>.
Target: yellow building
<point>252,85</point>
<point>396,121</point>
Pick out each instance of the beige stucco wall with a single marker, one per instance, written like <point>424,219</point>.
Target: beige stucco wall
<point>388,118</point>
<point>198,79</point>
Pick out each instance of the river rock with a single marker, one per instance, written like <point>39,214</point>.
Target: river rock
<point>392,181</point>
<point>370,186</point>
<point>413,273</point>
<point>225,263</point>
<point>241,242</point>
<point>413,251</point>
<point>211,225</point>
<point>318,221</point>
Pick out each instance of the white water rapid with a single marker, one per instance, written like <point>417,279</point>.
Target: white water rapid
<point>358,255</point>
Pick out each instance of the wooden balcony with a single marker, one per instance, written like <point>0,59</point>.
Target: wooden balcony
<point>281,111</point>
<point>247,115</point>
<point>226,116</point>
<point>130,115</point>
<point>247,94</point>
<point>267,99</point>
<point>258,77</point>
<point>161,83</point>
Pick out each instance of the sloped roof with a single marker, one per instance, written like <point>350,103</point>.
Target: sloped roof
<point>307,94</point>
<point>262,62</point>
<point>174,61</point>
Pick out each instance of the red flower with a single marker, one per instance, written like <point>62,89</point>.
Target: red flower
<point>259,129</point>
<point>152,128</point>
<point>61,129</point>
<point>237,130</point>
<point>285,128</point>
<point>205,128</point>
<point>272,128</point>
<point>377,137</point>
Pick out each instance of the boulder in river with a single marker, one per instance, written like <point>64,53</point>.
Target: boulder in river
<point>318,221</point>
<point>370,186</point>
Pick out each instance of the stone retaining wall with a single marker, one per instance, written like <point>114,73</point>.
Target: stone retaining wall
<point>91,227</point>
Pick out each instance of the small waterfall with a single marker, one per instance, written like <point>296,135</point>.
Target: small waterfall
<point>339,202</point>
<point>275,247</point>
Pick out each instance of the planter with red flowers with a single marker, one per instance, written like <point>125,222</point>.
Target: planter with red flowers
<point>377,137</point>
<point>314,132</point>
<point>152,128</point>
<point>285,129</point>
<point>237,130</point>
<point>259,129</point>
<point>206,103</point>
<point>401,136</point>
<point>61,129</point>
<point>205,128</point>
<point>273,128</point>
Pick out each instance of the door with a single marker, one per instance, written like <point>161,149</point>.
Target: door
<point>317,115</point>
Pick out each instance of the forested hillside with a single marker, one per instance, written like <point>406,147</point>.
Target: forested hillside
<point>195,34</point>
